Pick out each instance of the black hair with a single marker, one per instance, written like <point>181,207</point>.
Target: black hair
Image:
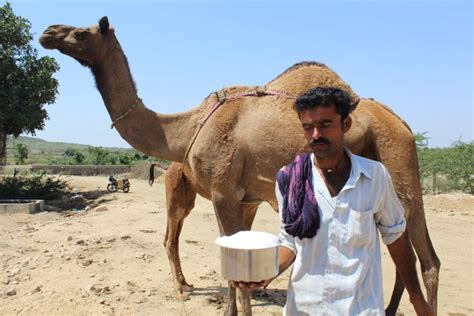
<point>324,97</point>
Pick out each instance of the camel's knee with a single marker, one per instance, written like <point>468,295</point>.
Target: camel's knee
<point>431,277</point>
<point>178,212</point>
<point>436,263</point>
<point>170,245</point>
<point>431,281</point>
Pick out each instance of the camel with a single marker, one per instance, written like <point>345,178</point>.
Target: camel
<point>234,142</point>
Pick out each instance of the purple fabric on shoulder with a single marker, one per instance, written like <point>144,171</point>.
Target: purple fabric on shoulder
<point>300,209</point>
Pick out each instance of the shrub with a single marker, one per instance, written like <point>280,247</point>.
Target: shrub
<point>32,187</point>
<point>21,154</point>
<point>447,169</point>
<point>98,155</point>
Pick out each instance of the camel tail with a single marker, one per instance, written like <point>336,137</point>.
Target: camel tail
<point>151,178</point>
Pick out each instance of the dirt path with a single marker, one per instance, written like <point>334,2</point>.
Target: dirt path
<point>113,261</point>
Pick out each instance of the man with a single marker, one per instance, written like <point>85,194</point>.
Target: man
<point>331,202</point>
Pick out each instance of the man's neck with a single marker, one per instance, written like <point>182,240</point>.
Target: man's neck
<point>331,163</point>
<point>336,176</point>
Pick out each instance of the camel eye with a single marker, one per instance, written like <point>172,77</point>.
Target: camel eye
<point>80,35</point>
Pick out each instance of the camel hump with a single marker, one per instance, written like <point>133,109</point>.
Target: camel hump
<point>299,65</point>
<point>307,75</point>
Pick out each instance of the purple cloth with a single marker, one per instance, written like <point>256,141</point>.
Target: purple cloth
<point>300,209</point>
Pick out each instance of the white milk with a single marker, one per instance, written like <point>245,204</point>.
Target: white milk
<point>248,239</point>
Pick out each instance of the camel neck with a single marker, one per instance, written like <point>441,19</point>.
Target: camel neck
<point>155,134</point>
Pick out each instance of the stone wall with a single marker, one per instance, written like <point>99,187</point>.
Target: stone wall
<point>78,170</point>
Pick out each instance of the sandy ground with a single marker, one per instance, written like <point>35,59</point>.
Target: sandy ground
<point>113,261</point>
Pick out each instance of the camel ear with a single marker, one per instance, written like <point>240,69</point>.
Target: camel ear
<point>104,25</point>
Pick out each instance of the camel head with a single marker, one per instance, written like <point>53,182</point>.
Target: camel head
<point>88,45</point>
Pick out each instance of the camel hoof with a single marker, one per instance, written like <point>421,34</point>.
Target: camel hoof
<point>181,297</point>
<point>390,312</point>
<point>187,287</point>
<point>230,312</point>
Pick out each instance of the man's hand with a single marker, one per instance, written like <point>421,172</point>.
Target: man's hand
<point>250,285</point>
<point>285,259</point>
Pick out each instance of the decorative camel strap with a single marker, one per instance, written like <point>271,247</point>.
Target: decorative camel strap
<point>259,91</point>
<point>126,112</point>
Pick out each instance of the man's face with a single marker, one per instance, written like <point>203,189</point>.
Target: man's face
<point>324,129</point>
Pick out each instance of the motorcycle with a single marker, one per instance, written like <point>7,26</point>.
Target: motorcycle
<point>114,185</point>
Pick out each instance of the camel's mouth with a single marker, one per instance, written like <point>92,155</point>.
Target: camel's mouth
<point>47,41</point>
<point>53,34</point>
<point>50,40</point>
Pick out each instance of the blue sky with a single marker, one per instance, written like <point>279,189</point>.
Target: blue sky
<point>414,56</point>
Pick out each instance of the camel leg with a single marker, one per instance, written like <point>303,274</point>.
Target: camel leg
<point>244,300</point>
<point>397,293</point>
<point>233,217</point>
<point>230,221</point>
<point>429,261</point>
<point>180,199</point>
<point>403,167</point>
<point>249,212</point>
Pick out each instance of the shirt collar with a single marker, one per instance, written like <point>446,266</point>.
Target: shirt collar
<point>357,168</point>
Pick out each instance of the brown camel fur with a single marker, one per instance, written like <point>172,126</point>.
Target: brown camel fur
<point>235,155</point>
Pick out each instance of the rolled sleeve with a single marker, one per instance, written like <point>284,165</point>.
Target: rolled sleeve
<point>285,239</point>
<point>392,233</point>
<point>389,217</point>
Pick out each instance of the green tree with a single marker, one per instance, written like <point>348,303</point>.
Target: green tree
<point>79,158</point>
<point>74,156</point>
<point>26,81</point>
<point>460,166</point>
<point>112,159</point>
<point>137,156</point>
<point>432,163</point>
<point>421,140</point>
<point>98,155</point>
<point>125,158</point>
<point>70,152</point>
<point>447,169</point>
<point>21,153</point>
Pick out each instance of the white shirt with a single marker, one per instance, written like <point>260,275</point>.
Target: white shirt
<point>338,272</point>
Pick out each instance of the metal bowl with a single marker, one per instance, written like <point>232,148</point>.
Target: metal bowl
<point>249,265</point>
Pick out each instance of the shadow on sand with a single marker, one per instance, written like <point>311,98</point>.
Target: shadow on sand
<point>218,296</point>
<point>78,201</point>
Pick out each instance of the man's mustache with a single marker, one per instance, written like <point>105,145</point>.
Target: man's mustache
<point>320,141</point>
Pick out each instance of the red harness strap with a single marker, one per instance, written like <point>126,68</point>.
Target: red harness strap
<point>222,97</point>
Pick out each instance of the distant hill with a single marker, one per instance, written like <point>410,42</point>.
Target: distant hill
<point>35,143</point>
<point>42,151</point>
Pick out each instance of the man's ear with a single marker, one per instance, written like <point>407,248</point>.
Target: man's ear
<point>346,124</point>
